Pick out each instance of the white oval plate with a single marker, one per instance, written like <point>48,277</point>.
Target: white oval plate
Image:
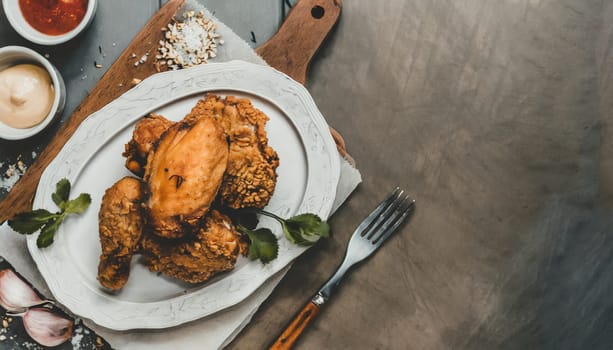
<point>307,178</point>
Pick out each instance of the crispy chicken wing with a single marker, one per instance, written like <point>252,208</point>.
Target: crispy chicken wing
<point>214,249</point>
<point>183,174</point>
<point>120,229</point>
<point>251,176</point>
<point>218,152</point>
<point>146,133</point>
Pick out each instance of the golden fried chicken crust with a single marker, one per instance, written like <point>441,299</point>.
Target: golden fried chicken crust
<point>251,177</point>
<point>214,249</point>
<point>219,154</point>
<point>120,228</point>
<point>183,174</point>
<point>146,133</point>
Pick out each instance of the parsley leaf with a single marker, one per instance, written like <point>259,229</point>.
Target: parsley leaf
<point>264,245</point>
<point>48,232</point>
<point>79,204</point>
<point>30,222</point>
<point>46,221</point>
<point>303,229</point>
<point>62,191</point>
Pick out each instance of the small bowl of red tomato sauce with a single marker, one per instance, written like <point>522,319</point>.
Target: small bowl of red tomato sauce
<point>49,22</point>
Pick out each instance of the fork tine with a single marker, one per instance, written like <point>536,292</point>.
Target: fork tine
<point>402,214</point>
<point>381,218</point>
<point>388,217</point>
<point>380,224</point>
<point>380,208</point>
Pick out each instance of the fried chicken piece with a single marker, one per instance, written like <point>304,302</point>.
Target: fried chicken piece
<point>214,249</point>
<point>120,227</point>
<point>251,177</point>
<point>183,174</point>
<point>146,133</point>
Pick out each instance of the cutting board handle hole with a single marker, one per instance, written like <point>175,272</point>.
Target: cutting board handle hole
<point>317,12</point>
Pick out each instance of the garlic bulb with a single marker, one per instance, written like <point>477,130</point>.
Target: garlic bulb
<point>15,294</point>
<point>46,327</point>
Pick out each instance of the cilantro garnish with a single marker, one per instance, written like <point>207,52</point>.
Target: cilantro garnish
<point>264,245</point>
<point>303,229</point>
<point>46,221</point>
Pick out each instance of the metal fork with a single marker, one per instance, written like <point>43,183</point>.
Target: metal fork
<point>365,240</point>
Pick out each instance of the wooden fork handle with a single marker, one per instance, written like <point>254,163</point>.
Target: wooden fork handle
<point>291,333</point>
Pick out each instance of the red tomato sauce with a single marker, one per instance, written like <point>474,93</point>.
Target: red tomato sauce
<point>53,17</point>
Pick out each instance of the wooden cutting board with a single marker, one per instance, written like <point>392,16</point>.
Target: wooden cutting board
<point>290,50</point>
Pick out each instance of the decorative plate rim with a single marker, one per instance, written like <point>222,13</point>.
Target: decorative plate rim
<point>323,173</point>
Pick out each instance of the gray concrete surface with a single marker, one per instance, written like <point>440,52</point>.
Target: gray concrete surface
<point>496,116</point>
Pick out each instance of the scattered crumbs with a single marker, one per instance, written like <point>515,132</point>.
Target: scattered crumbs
<point>120,84</point>
<point>5,324</point>
<point>10,177</point>
<point>84,77</point>
<point>81,69</point>
<point>76,340</point>
<point>33,155</point>
<point>135,81</point>
<point>191,42</point>
<point>2,337</point>
<point>141,60</point>
<point>133,55</point>
<point>30,345</point>
<point>97,65</point>
<point>47,55</point>
<point>114,44</point>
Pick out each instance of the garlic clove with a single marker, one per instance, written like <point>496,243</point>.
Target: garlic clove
<point>15,294</point>
<point>47,328</point>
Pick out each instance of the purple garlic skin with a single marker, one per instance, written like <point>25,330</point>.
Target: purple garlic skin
<point>15,294</point>
<point>46,327</point>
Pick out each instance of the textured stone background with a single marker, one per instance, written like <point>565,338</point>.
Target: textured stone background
<point>496,116</point>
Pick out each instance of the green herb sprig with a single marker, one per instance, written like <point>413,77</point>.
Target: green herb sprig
<point>264,245</point>
<point>303,229</point>
<point>48,222</point>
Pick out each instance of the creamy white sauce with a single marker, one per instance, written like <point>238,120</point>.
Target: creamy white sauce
<point>26,95</point>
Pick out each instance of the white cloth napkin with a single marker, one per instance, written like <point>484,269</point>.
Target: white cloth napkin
<point>214,331</point>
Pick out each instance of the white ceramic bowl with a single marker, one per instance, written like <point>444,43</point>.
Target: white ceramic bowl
<point>18,22</point>
<point>13,55</point>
